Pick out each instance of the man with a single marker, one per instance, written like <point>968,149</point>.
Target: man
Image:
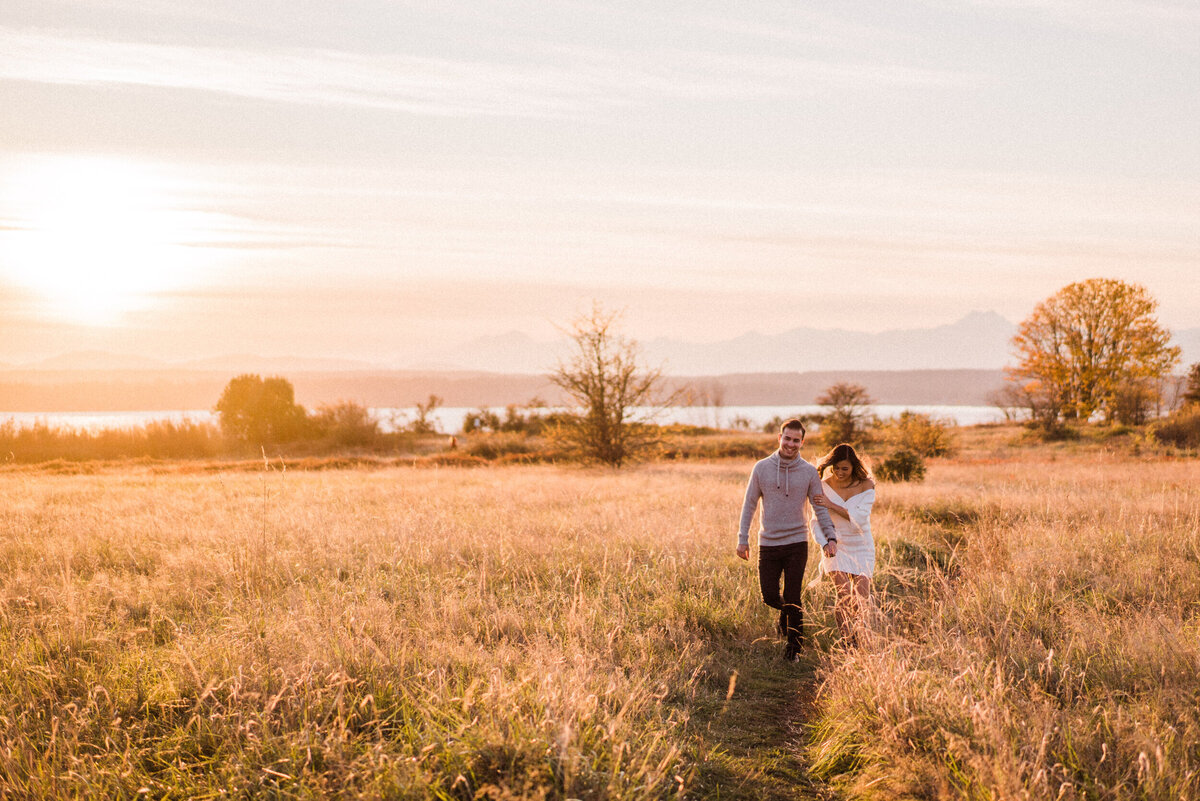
<point>785,483</point>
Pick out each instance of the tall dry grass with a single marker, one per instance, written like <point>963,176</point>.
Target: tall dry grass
<point>510,632</point>
<point>570,633</point>
<point>166,439</point>
<point>1043,641</point>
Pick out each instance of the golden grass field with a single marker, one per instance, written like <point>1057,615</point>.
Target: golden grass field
<point>567,632</point>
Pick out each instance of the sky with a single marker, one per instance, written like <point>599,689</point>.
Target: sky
<point>362,178</point>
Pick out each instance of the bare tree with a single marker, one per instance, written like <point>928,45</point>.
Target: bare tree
<point>1027,401</point>
<point>1009,400</point>
<point>422,423</point>
<point>606,380</point>
<point>707,393</point>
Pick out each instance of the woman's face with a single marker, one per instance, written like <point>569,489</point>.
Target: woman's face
<point>842,471</point>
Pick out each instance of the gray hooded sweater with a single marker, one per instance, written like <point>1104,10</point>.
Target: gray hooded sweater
<point>785,488</point>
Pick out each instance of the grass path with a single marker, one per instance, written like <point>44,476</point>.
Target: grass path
<point>383,633</point>
<point>755,739</point>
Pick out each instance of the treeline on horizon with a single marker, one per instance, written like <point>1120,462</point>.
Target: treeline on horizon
<point>347,429</point>
<point>272,426</point>
<point>1091,354</point>
<point>276,430</point>
<point>97,391</point>
<point>259,419</point>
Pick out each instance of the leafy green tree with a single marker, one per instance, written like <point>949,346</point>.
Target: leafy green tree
<point>261,411</point>
<point>1084,344</point>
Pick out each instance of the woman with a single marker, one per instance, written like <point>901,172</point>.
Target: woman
<point>849,495</point>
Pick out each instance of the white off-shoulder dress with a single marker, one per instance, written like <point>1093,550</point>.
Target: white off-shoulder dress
<point>855,546</point>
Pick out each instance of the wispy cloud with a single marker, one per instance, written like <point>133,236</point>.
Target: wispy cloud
<point>1169,19</point>
<point>563,81</point>
<point>408,83</point>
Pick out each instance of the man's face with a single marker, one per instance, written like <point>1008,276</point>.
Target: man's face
<point>790,441</point>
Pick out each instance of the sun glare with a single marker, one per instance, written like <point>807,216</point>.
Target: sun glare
<point>92,238</point>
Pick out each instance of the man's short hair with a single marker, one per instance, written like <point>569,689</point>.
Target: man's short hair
<point>792,423</point>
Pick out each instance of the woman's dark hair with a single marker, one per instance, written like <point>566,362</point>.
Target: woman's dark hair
<point>844,452</point>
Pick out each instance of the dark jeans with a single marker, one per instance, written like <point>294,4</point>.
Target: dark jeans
<point>789,562</point>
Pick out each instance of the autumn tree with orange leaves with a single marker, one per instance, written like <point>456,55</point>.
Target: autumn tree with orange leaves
<point>1084,348</point>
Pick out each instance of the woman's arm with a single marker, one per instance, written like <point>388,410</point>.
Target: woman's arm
<point>823,500</point>
<point>840,511</point>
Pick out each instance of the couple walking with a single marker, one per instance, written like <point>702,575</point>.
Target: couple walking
<point>841,505</point>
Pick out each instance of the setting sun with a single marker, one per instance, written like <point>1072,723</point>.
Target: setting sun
<point>94,239</point>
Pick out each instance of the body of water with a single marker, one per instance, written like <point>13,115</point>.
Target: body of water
<point>449,419</point>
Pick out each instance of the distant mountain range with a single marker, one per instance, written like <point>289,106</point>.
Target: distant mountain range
<point>978,341</point>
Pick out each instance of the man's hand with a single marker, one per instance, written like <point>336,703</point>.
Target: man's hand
<point>743,551</point>
<point>830,549</point>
